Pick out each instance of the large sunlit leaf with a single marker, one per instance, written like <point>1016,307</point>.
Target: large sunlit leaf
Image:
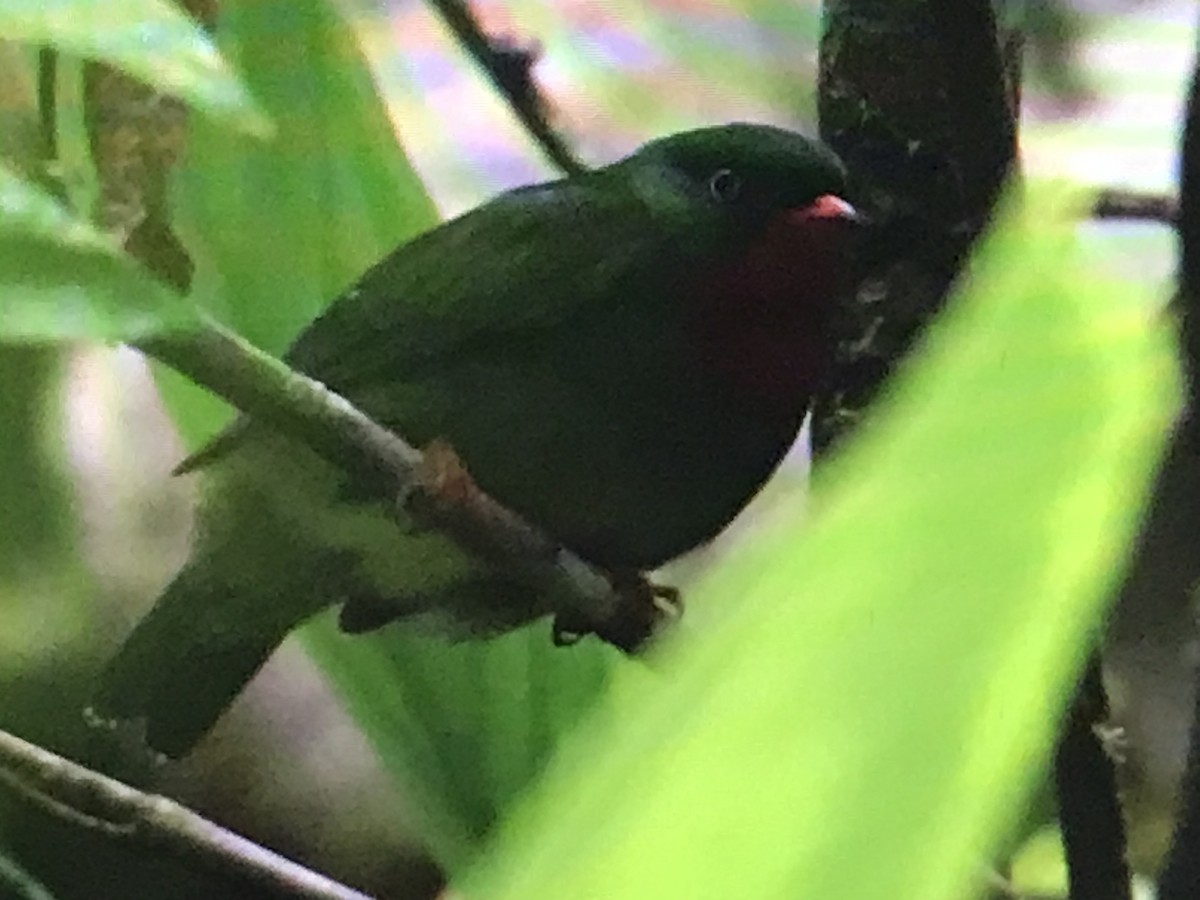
<point>277,230</point>
<point>881,691</point>
<point>152,40</point>
<point>60,279</point>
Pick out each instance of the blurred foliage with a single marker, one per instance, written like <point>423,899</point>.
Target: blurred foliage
<point>856,711</point>
<point>45,256</point>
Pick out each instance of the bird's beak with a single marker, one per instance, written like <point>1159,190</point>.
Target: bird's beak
<point>831,207</point>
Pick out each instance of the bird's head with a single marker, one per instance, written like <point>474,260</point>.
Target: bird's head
<point>728,182</point>
<point>758,215</point>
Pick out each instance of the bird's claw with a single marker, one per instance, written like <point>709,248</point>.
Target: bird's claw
<point>644,611</point>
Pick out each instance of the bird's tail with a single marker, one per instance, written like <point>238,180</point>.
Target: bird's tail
<point>189,657</point>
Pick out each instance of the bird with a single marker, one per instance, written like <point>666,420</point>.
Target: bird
<point>622,357</point>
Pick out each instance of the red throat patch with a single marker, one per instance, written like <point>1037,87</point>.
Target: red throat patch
<point>764,317</point>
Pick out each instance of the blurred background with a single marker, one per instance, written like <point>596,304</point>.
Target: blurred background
<point>97,525</point>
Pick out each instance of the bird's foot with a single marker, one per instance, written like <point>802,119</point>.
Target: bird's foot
<point>646,610</point>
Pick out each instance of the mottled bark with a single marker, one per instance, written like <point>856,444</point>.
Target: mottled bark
<point>914,96</point>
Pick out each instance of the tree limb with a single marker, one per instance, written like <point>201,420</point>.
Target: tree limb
<point>85,798</point>
<point>433,487</point>
<point>509,65</point>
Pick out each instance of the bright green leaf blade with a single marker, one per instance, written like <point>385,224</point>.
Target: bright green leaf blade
<point>62,280</point>
<point>152,40</point>
<point>277,230</point>
<point>881,693</point>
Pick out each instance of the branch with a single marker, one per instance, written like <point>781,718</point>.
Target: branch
<point>91,800</point>
<point>1117,203</point>
<point>433,487</point>
<point>15,882</point>
<point>509,65</point>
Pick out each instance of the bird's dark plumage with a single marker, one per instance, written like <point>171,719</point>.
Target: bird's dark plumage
<point>622,357</point>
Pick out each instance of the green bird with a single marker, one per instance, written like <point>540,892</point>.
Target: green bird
<point>622,357</point>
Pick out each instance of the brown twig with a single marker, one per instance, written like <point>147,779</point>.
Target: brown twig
<point>509,65</point>
<point>88,799</point>
<point>1117,203</point>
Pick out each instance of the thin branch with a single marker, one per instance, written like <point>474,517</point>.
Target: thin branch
<point>1117,203</point>
<point>86,798</point>
<point>15,882</point>
<point>434,487</point>
<point>509,65</point>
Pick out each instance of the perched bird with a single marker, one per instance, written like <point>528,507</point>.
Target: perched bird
<point>622,357</point>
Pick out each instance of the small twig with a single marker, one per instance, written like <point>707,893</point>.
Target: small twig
<point>265,388</point>
<point>86,798</point>
<point>1117,203</point>
<point>509,65</point>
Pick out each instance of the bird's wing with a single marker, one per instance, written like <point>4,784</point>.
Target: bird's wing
<point>526,261</point>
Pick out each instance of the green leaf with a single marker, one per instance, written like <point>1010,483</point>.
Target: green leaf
<point>465,727</point>
<point>277,230</point>
<point>866,714</point>
<point>60,279</point>
<point>152,40</point>
<point>20,136</point>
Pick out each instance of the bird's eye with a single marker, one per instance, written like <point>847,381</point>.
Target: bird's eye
<point>724,186</point>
